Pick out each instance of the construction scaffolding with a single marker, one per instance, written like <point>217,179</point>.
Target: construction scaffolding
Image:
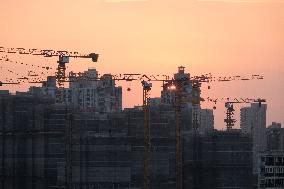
<point>50,146</point>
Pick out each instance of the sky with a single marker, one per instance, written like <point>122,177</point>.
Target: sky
<point>222,37</point>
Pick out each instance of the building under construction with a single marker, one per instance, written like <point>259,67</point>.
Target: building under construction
<point>86,141</point>
<point>44,146</point>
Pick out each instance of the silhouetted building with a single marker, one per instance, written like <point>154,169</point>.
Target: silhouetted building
<point>24,141</point>
<point>46,145</point>
<point>168,96</point>
<point>85,92</point>
<point>253,121</point>
<point>220,159</point>
<point>206,121</point>
<point>79,138</point>
<point>275,137</point>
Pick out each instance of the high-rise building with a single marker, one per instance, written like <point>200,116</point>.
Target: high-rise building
<point>189,93</point>
<point>168,96</point>
<point>253,121</point>
<point>85,92</point>
<point>206,120</point>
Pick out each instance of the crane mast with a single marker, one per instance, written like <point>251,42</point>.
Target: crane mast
<point>147,139</point>
<point>178,153</point>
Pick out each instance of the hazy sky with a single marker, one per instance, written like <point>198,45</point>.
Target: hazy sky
<point>224,37</point>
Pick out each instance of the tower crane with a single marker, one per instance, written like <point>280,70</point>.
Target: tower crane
<point>178,107</point>
<point>229,120</point>
<point>62,55</point>
<point>147,140</point>
<point>7,83</point>
<point>229,105</point>
<point>176,85</point>
<point>195,99</point>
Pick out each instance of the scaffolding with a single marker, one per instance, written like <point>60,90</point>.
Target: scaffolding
<point>46,146</point>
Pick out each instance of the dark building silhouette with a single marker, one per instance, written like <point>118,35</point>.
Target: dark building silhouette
<point>46,146</point>
<point>221,159</point>
<point>275,137</point>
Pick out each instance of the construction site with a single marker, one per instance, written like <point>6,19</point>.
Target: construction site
<point>81,137</point>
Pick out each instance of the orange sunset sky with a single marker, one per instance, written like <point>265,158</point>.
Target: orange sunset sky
<point>224,37</point>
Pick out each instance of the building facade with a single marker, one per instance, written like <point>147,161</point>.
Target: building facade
<point>271,170</point>
<point>219,159</point>
<point>85,92</point>
<point>253,121</point>
<point>48,145</point>
<point>206,121</point>
<point>168,93</point>
<point>275,137</point>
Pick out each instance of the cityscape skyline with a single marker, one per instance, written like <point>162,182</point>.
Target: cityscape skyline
<point>142,37</point>
<point>86,140</point>
<point>218,108</point>
<point>142,94</point>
